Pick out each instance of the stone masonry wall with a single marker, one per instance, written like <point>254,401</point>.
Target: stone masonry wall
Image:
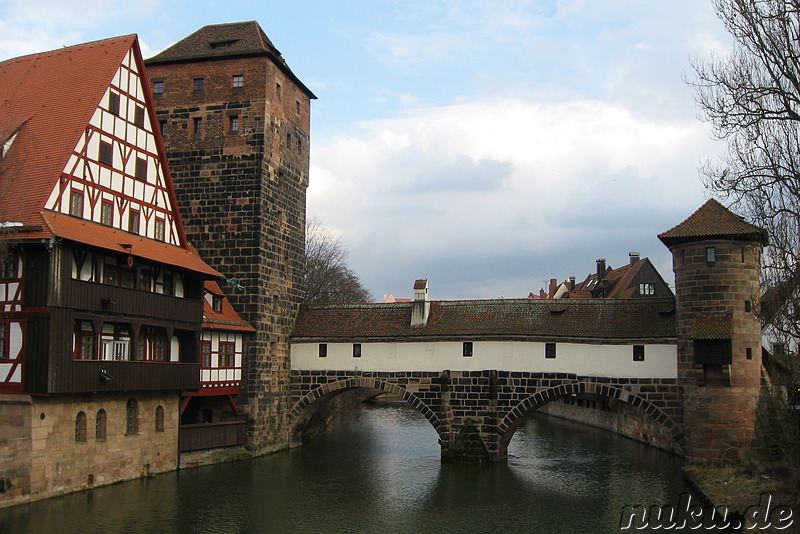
<point>719,418</point>
<point>242,195</point>
<point>15,448</point>
<point>54,462</point>
<point>491,403</point>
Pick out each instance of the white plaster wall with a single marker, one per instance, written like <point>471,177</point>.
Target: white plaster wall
<point>660,361</point>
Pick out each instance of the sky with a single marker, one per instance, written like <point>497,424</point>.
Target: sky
<point>485,146</point>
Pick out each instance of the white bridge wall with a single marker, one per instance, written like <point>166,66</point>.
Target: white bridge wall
<point>660,360</point>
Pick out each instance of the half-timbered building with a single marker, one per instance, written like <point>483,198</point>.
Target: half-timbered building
<point>102,297</point>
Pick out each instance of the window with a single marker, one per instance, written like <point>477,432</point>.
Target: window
<point>466,349</point>
<point>158,87</point>
<point>711,255</point>
<point>115,350</point>
<point>168,285</point>
<point>106,153</point>
<point>80,427</point>
<point>113,103</point>
<point>4,341</point>
<point>138,116</point>
<point>323,350</point>
<point>297,106</point>
<point>131,414</point>
<point>163,126</point>
<point>747,306</point>
<point>712,351</point>
<point>145,280</point>
<point>749,353</point>
<point>216,303</point>
<point>107,213</point>
<point>9,267</point>
<point>550,350</point>
<point>278,91</point>
<point>198,125</point>
<point>238,80</point>
<point>159,348</point>
<point>356,350</point>
<point>76,204</point>
<point>227,354</point>
<point>159,419</point>
<point>205,354</point>
<point>141,169</point>
<point>86,345</point>
<point>100,425</point>
<point>234,123</point>
<point>133,221</point>
<point>199,83</point>
<point>160,229</point>
<point>647,289</point>
<point>638,353</point>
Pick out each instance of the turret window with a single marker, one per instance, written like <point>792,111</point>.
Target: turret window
<point>238,80</point>
<point>199,84</point>
<point>158,87</point>
<point>711,254</point>
<point>638,353</point>
<point>466,349</point>
<point>549,350</point>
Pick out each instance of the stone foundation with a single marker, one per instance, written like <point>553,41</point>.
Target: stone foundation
<point>52,459</point>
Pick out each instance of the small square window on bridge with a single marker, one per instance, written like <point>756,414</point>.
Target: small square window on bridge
<point>323,350</point>
<point>550,350</point>
<point>467,349</point>
<point>356,350</point>
<point>638,353</point>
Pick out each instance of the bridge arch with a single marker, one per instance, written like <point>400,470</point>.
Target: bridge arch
<point>304,409</point>
<point>518,414</point>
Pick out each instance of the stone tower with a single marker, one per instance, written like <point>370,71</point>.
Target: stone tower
<point>235,123</point>
<point>716,259</point>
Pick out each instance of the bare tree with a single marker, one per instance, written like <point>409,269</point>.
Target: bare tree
<point>328,279</point>
<point>751,97</point>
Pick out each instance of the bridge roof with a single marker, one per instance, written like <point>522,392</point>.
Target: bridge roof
<point>606,319</point>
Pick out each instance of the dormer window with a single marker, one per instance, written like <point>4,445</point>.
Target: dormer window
<point>223,44</point>
<point>216,303</point>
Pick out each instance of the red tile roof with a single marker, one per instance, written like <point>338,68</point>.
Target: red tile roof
<point>54,94</point>
<point>48,99</point>
<point>227,319</point>
<point>713,221</point>
<point>609,319</point>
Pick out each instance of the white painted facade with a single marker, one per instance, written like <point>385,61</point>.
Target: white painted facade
<point>660,360</point>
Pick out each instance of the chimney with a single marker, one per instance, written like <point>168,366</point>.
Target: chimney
<point>572,283</point>
<point>421,306</point>
<point>601,269</point>
<point>553,287</point>
<point>633,257</point>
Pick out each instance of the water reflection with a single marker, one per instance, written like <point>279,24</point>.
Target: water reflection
<point>380,472</point>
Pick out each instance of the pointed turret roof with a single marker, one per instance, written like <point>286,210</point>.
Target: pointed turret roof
<point>713,221</point>
<point>226,41</point>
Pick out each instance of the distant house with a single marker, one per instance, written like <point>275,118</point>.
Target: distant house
<point>102,296</point>
<point>638,279</point>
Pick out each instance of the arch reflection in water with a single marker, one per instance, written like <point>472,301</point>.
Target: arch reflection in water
<point>379,471</point>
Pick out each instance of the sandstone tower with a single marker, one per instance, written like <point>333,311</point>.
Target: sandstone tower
<point>716,259</point>
<point>235,122</point>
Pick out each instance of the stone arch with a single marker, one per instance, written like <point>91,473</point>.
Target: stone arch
<point>516,416</point>
<point>304,408</point>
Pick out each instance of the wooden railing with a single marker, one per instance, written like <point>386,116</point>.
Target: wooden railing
<point>200,436</point>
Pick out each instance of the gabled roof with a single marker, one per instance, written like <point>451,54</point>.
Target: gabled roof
<point>227,319</point>
<point>226,41</point>
<point>54,94</point>
<point>48,99</point>
<point>713,221</point>
<point>568,319</point>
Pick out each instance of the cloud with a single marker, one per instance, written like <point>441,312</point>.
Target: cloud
<point>496,187</point>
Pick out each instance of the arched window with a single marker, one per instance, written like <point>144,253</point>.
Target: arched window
<point>100,425</point>
<point>159,419</point>
<point>131,416</point>
<point>80,427</point>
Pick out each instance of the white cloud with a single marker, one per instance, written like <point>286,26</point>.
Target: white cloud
<point>467,185</point>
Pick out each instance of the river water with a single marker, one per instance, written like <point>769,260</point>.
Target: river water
<point>379,472</point>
